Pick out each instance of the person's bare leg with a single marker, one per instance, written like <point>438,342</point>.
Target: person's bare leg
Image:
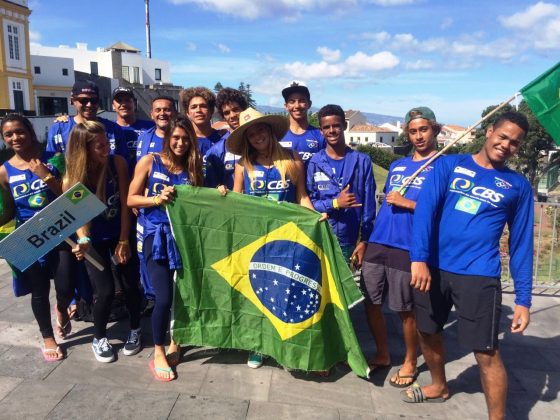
<point>160,362</point>
<point>493,377</point>
<point>378,329</point>
<point>434,355</point>
<point>410,337</point>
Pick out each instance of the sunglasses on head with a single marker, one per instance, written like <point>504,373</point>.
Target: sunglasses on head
<point>85,101</point>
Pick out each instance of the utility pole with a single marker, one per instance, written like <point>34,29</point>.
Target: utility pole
<point>148,38</point>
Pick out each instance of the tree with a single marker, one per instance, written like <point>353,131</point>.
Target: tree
<point>217,87</point>
<point>246,90</point>
<point>532,157</point>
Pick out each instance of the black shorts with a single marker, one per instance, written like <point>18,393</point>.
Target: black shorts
<point>477,300</point>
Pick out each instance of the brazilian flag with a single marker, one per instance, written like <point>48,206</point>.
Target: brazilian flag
<point>262,276</point>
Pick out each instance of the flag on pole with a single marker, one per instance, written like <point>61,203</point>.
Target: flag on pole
<point>543,97</point>
<point>262,276</point>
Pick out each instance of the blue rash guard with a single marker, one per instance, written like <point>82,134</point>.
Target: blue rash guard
<point>393,225</point>
<point>131,133</point>
<point>59,134</point>
<point>306,144</point>
<point>460,217</point>
<point>324,185</point>
<point>220,165</point>
<point>148,142</point>
<point>267,183</point>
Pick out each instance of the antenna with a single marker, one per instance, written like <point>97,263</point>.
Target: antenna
<point>148,38</point>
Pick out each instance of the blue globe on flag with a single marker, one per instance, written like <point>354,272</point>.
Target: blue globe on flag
<point>286,277</point>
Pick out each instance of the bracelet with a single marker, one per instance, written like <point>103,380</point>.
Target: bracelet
<point>84,240</point>
<point>335,204</point>
<point>156,199</point>
<point>124,242</point>
<point>47,178</point>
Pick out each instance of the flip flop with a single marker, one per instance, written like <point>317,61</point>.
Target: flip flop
<point>155,370</point>
<point>399,376</point>
<point>46,352</point>
<point>63,330</point>
<point>418,396</point>
<point>72,312</point>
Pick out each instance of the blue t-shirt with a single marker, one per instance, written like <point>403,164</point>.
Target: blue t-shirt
<point>59,133</point>
<point>460,217</point>
<point>205,143</point>
<point>132,132</point>
<point>393,225</point>
<point>220,165</point>
<point>267,183</point>
<point>30,193</point>
<point>337,167</point>
<point>306,144</point>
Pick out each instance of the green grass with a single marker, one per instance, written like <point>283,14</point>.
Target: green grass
<point>380,176</point>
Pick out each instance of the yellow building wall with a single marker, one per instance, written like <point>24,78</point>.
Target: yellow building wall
<point>4,75</point>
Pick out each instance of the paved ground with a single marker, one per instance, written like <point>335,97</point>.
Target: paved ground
<point>214,384</point>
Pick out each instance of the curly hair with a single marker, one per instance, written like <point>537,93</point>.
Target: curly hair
<point>188,94</point>
<point>229,95</point>
<point>23,120</point>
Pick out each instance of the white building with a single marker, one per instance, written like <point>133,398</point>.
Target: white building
<point>119,61</point>
<point>53,78</point>
<point>450,133</point>
<point>358,132</point>
<point>397,127</point>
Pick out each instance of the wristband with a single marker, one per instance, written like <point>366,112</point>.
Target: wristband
<point>84,240</point>
<point>156,199</point>
<point>335,204</point>
<point>47,178</point>
<point>124,242</point>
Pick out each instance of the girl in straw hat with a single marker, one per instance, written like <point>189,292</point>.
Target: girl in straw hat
<point>266,169</point>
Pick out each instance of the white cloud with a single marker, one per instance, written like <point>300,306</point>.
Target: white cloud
<point>34,36</point>
<point>531,16</point>
<point>389,3</point>
<point>446,23</point>
<point>378,37</point>
<point>329,55</point>
<point>288,9</point>
<point>224,48</point>
<point>420,65</point>
<point>538,25</point>
<point>358,65</point>
<point>191,46</point>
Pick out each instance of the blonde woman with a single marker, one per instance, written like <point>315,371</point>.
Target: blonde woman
<point>88,160</point>
<point>153,186</point>
<point>266,169</point>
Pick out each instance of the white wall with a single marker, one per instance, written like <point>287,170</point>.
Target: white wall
<point>51,71</point>
<point>81,56</point>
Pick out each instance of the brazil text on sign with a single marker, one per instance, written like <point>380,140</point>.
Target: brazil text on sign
<point>50,226</point>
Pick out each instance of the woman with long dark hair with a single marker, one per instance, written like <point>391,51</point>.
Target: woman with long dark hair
<point>29,182</point>
<point>152,187</point>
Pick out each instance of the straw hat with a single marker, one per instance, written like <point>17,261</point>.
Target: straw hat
<point>249,118</point>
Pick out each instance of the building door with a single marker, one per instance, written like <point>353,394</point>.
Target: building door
<point>18,100</point>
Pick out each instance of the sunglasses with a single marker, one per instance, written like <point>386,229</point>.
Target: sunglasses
<point>85,101</point>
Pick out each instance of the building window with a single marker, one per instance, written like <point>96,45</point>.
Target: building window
<point>358,138</point>
<point>135,74</point>
<point>367,139</point>
<point>381,139</point>
<point>13,42</point>
<point>94,67</point>
<point>158,74</point>
<point>37,70</point>
<point>65,72</point>
<point>126,73</point>
<point>392,139</point>
<point>351,139</point>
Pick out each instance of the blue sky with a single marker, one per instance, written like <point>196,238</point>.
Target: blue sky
<point>382,56</point>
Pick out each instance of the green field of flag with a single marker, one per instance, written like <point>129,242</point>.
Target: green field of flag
<point>262,276</point>
<point>543,97</point>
